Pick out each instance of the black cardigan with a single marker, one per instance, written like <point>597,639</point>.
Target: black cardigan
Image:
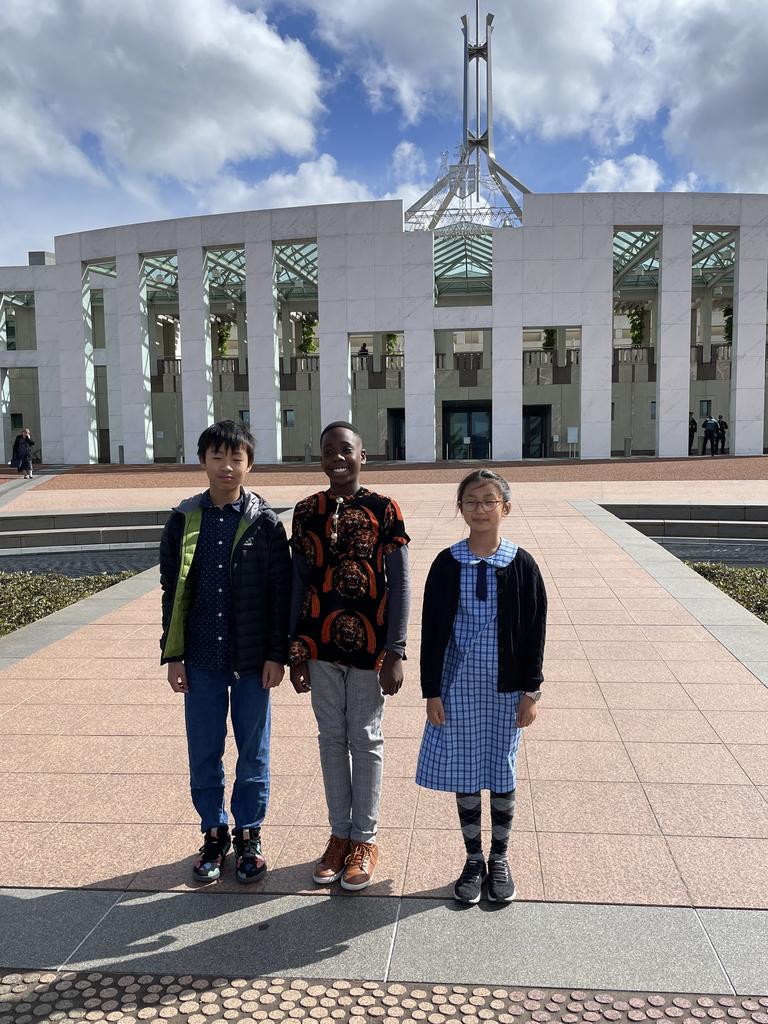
<point>522,622</point>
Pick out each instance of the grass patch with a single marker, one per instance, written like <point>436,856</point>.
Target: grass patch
<point>28,596</point>
<point>747,585</point>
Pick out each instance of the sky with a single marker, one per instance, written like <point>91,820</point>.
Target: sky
<point>114,113</point>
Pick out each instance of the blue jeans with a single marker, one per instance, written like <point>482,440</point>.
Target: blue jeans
<point>205,713</point>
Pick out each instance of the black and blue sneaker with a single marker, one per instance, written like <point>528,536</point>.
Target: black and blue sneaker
<point>216,845</point>
<point>501,885</point>
<point>250,864</point>
<point>469,884</point>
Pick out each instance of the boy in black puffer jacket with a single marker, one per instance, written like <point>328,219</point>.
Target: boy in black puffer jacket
<point>225,571</point>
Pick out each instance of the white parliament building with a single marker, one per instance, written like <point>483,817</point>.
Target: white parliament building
<point>485,322</point>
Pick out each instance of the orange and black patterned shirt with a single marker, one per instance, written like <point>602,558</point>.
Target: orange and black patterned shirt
<point>344,541</point>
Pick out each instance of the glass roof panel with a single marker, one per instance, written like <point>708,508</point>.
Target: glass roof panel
<point>463,264</point>
<point>17,299</point>
<point>162,277</point>
<point>296,270</point>
<point>226,273</point>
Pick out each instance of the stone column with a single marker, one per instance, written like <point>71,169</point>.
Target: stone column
<point>196,365</point>
<point>561,346</point>
<point>78,393</point>
<point>242,338</point>
<point>674,339</point>
<point>108,287</point>
<point>507,346</point>
<point>333,336</point>
<point>419,346</point>
<point>6,434</point>
<point>748,351</point>
<point>263,353</point>
<point>134,360</point>
<point>706,325</point>
<point>51,443</point>
<point>596,344</point>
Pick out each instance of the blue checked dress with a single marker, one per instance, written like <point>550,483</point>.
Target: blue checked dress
<point>477,747</point>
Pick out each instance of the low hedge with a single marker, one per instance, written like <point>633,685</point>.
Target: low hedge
<point>28,596</point>
<point>745,584</point>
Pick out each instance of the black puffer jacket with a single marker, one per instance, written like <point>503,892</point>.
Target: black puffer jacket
<point>260,591</point>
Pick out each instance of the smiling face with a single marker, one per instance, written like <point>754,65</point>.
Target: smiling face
<point>341,457</point>
<point>483,508</point>
<point>226,471</point>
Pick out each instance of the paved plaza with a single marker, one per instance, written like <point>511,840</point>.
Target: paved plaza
<point>640,846</point>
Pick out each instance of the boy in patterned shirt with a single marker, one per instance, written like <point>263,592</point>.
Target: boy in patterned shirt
<point>349,616</point>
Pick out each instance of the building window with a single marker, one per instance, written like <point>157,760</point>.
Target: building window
<point>289,417</point>
<point>245,418</point>
<point>613,411</point>
<point>17,421</point>
<point>705,408</point>
<point>653,410</point>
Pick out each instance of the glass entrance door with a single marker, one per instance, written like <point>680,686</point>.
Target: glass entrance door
<point>536,419</point>
<point>466,431</point>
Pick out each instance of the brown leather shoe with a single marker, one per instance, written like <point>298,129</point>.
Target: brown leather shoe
<point>361,863</point>
<point>331,866</point>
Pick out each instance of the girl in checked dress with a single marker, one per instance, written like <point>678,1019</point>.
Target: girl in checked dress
<point>482,647</point>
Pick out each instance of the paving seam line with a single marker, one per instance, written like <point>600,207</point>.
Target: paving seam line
<point>715,950</point>
<point>390,954</point>
<point>85,938</point>
<point>646,553</point>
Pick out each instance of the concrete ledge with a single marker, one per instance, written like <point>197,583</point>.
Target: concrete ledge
<point>740,632</point>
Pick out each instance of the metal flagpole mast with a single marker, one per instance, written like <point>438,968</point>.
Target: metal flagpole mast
<point>469,198</point>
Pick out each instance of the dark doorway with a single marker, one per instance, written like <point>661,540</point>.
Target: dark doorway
<point>103,445</point>
<point>396,434</point>
<point>466,430</point>
<point>536,432</point>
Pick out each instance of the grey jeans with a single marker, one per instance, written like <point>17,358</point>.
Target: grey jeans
<point>348,705</point>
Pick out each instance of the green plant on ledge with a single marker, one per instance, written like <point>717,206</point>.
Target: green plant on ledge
<point>392,347</point>
<point>728,323</point>
<point>550,337</point>
<point>636,326</point>
<point>222,338</point>
<point>308,341</point>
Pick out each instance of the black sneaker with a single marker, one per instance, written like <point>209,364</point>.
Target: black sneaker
<point>469,884</point>
<point>207,867</point>
<point>250,865</point>
<point>501,885</point>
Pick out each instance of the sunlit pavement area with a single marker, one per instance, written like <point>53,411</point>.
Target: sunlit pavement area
<point>640,848</point>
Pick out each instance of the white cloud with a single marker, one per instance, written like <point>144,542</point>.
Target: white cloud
<point>408,162</point>
<point>689,183</point>
<point>597,67</point>
<point>313,182</point>
<point>177,91</point>
<point>633,173</point>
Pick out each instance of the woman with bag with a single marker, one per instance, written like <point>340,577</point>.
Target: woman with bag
<point>22,453</point>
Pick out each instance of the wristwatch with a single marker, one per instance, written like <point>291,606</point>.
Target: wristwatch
<point>535,695</point>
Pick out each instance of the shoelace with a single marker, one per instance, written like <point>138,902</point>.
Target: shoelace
<point>499,871</point>
<point>359,856</point>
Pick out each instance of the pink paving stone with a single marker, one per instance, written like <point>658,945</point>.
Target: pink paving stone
<point>667,725</point>
<point>723,872</point>
<point>598,807</point>
<point>696,810</point>
<point>706,763</point>
<point>610,869</point>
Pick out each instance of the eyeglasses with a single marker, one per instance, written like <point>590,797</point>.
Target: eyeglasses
<point>469,505</point>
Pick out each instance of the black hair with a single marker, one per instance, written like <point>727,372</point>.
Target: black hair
<point>480,476</point>
<point>340,425</point>
<point>226,434</point>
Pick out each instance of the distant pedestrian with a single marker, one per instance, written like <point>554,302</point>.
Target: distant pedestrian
<point>722,430</point>
<point>692,431</point>
<point>22,453</point>
<point>711,435</point>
